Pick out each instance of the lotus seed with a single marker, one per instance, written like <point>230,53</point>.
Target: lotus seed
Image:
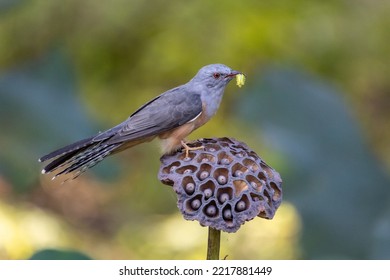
<point>240,206</point>
<point>208,193</point>
<point>203,175</point>
<point>227,214</point>
<point>223,197</point>
<point>195,204</point>
<point>190,187</point>
<point>211,210</point>
<point>221,179</point>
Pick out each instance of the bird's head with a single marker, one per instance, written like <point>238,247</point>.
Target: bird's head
<point>215,76</point>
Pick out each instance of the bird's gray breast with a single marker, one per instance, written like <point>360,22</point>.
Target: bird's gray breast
<point>211,101</point>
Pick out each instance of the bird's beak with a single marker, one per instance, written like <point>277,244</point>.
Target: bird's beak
<point>233,73</point>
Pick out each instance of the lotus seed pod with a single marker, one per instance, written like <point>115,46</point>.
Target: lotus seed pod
<point>222,185</point>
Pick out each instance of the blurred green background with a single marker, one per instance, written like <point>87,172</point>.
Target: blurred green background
<point>315,107</point>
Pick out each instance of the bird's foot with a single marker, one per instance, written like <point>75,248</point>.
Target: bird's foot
<point>188,148</point>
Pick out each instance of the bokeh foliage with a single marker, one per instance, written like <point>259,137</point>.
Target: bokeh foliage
<point>315,107</point>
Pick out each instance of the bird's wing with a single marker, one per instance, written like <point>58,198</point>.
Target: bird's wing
<point>165,112</point>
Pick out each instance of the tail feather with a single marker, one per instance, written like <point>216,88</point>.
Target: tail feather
<point>78,157</point>
<point>75,147</point>
<point>59,162</point>
<point>79,163</point>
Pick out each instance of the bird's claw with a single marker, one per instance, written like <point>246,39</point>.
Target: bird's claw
<point>188,148</point>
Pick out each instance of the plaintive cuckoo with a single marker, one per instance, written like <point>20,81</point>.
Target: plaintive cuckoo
<point>171,116</point>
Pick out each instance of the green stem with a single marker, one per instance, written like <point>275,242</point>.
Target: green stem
<point>213,244</point>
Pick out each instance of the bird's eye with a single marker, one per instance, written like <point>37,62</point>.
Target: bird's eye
<point>217,75</point>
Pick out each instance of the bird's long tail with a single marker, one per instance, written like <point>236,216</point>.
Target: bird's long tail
<point>76,158</point>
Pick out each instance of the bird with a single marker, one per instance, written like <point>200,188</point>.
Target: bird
<point>171,117</point>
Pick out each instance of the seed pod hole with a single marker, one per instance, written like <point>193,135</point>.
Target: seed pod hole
<point>204,157</point>
<point>224,194</point>
<point>187,169</point>
<point>262,176</point>
<point>188,185</point>
<point>170,168</point>
<point>238,170</point>
<point>264,215</point>
<point>227,213</point>
<point>252,155</point>
<point>209,140</point>
<point>250,164</point>
<point>238,153</point>
<point>226,140</point>
<point>194,203</point>
<point>267,169</point>
<point>254,182</point>
<point>239,186</point>
<point>267,196</point>
<point>221,175</point>
<point>224,158</point>
<point>211,210</point>
<point>213,148</point>
<point>256,197</point>
<point>238,147</point>
<point>243,204</point>
<point>190,157</point>
<point>277,191</point>
<point>204,171</point>
<point>167,181</point>
<point>207,189</point>
<point>264,212</point>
